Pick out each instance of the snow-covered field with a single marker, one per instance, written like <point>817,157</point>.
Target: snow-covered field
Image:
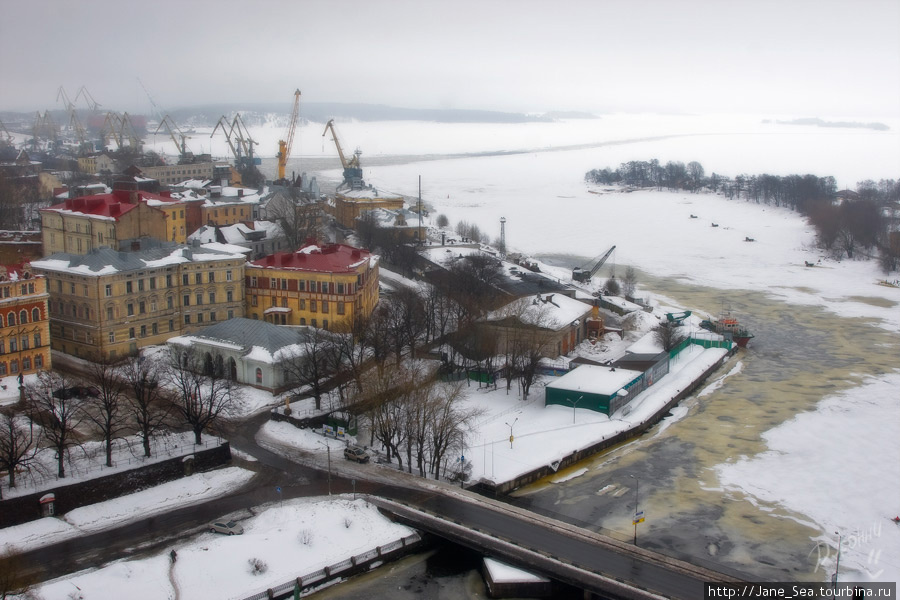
<point>290,539</point>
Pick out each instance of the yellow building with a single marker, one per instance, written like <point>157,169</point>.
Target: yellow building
<point>322,286</point>
<point>107,304</point>
<point>79,225</point>
<point>24,324</point>
<point>349,204</point>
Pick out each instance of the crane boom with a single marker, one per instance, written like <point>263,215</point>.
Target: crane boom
<point>583,273</point>
<point>330,125</point>
<point>285,145</point>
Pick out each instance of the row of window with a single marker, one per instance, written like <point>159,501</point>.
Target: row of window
<point>314,305</point>
<point>143,284</point>
<point>281,319</point>
<point>303,285</point>
<point>23,317</point>
<point>27,288</point>
<point>14,343</point>
<point>13,366</point>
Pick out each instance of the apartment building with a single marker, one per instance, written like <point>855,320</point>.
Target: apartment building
<point>24,324</point>
<point>107,304</point>
<point>321,286</point>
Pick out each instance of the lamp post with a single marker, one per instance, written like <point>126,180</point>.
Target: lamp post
<point>511,432</point>
<point>638,517</point>
<point>574,404</point>
<point>837,565</point>
<point>328,448</point>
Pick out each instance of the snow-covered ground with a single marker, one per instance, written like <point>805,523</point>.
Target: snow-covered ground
<point>290,539</point>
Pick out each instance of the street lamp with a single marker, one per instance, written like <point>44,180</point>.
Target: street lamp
<point>328,448</point>
<point>837,565</point>
<point>511,431</point>
<point>638,516</point>
<point>574,404</point>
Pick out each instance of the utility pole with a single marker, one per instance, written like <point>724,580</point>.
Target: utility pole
<point>638,515</point>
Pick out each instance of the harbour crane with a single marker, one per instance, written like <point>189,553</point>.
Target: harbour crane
<point>352,170</point>
<point>285,144</point>
<point>185,155</point>
<point>44,127</point>
<point>585,272</point>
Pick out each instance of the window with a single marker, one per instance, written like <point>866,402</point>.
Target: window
<point>253,301</point>
<point>155,329</point>
<point>200,317</point>
<point>301,285</point>
<point>131,333</point>
<point>184,279</point>
<point>171,324</point>
<point>168,281</point>
<point>26,363</point>
<point>14,366</point>
<point>312,306</point>
<point>108,290</point>
<point>273,283</point>
<point>186,301</point>
<point>212,315</point>
<point>227,275</point>
<point>187,319</point>
<point>11,319</point>
<point>340,308</point>
<point>2,368</point>
<point>253,282</point>
<point>212,276</point>
<point>170,302</point>
<point>38,361</point>
<point>24,342</point>
<point>14,343</point>
<point>324,323</point>
<point>198,278</point>
<point>2,346</point>
<point>313,323</point>
<point>302,304</point>
<point>324,306</point>
<point>284,303</point>
<point>259,378</point>
<point>72,288</point>
<point>140,285</point>
<point>130,309</point>
<point>35,315</point>
<point>199,298</point>
<point>128,287</point>
<point>212,297</point>
<point>302,321</point>
<point>153,283</point>
<point>324,287</point>
<point>230,314</point>
<point>112,337</point>
<point>143,331</point>
<point>229,296</point>
<point>284,284</point>
<point>142,307</point>
<point>23,317</point>
<point>340,288</point>
<point>109,313</point>
<point>274,301</point>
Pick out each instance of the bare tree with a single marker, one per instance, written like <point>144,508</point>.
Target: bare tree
<point>105,409</point>
<point>202,392</point>
<point>668,335</point>
<point>298,216</point>
<point>315,363</point>
<point>629,282</point>
<point>448,423</point>
<point>18,445</point>
<point>58,412</point>
<point>146,404</point>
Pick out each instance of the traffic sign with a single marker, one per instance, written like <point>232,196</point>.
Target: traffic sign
<point>638,518</point>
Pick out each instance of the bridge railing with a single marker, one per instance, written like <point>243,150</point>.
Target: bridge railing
<point>359,561</point>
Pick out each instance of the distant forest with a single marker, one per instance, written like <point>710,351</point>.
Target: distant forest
<point>852,224</point>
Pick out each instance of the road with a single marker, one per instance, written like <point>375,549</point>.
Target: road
<point>152,535</point>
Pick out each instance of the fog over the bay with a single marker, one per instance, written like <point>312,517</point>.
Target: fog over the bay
<point>804,57</point>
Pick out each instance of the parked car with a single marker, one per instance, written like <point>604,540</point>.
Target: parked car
<point>77,391</point>
<point>226,527</point>
<point>356,453</point>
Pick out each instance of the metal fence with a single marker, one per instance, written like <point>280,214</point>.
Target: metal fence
<point>363,561</point>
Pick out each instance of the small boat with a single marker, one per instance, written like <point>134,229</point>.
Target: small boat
<point>727,325</point>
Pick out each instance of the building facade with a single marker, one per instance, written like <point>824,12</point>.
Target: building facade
<point>24,321</point>
<point>107,304</point>
<point>172,174</point>
<point>320,286</point>
<point>350,204</point>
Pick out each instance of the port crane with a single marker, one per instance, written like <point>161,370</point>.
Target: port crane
<point>352,170</point>
<point>186,156</point>
<point>239,140</point>
<point>118,128</point>
<point>585,272</point>
<point>285,144</point>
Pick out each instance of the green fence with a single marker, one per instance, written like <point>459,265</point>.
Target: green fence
<point>727,344</point>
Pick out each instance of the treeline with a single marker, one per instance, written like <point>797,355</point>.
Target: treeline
<point>847,224</point>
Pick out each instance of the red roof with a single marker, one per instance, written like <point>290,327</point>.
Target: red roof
<point>330,258</point>
<point>112,205</point>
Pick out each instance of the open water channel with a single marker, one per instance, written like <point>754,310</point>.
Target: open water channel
<point>800,355</point>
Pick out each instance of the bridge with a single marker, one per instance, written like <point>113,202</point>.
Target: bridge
<point>597,564</point>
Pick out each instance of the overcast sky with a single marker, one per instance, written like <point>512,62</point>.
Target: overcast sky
<point>810,58</point>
